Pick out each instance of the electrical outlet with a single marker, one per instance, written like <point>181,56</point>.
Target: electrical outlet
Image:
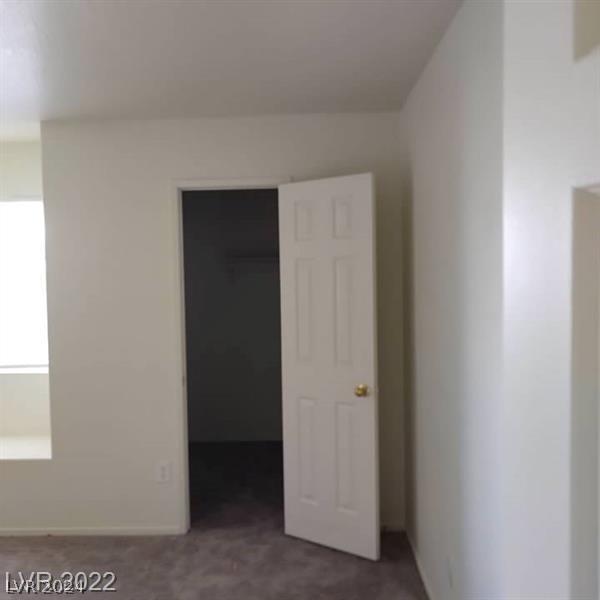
<point>163,471</point>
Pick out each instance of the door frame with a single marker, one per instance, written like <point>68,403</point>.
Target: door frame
<point>178,188</point>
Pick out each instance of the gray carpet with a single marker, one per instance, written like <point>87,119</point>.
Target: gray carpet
<point>236,549</point>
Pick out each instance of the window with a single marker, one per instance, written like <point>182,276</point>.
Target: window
<point>23,313</point>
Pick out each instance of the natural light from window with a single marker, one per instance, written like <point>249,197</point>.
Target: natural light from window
<point>24,378</point>
<point>23,313</point>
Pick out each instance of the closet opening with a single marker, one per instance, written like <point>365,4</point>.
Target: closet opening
<point>233,356</point>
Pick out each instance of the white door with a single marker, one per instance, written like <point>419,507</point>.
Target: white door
<point>328,330</point>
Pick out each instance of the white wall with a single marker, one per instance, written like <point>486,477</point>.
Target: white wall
<point>545,127</point>
<point>113,313</point>
<point>505,124</point>
<point>454,115</point>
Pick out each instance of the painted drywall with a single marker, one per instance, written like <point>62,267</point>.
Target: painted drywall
<point>233,331</point>
<point>583,79</point>
<point>24,404</point>
<point>454,120</point>
<point>545,127</point>
<point>113,286</point>
<point>150,59</point>
<point>20,170</point>
<point>505,123</point>
<point>584,407</point>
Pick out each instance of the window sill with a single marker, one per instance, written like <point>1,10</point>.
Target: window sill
<point>24,370</point>
<point>21,447</point>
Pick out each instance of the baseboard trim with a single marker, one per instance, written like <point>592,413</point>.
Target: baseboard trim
<point>426,583</point>
<point>94,531</point>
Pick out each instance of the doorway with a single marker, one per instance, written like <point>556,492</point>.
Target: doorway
<point>233,354</point>
<point>322,234</point>
<point>585,478</point>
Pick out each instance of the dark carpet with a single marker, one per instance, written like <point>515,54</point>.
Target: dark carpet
<point>236,549</point>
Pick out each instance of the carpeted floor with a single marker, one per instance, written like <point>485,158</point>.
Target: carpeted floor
<point>236,549</point>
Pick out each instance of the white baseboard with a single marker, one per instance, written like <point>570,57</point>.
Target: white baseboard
<point>95,531</point>
<point>426,584</point>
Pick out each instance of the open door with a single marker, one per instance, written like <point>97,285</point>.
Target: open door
<point>329,367</point>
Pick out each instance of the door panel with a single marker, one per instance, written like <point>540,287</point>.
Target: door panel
<point>329,347</point>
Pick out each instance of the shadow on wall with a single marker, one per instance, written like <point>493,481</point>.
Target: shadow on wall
<point>584,406</point>
<point>587,27</point>
<point>409,353</point>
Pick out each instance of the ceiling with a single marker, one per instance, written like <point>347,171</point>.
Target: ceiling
<point>177,58</point>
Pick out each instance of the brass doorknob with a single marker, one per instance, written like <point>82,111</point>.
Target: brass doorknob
<point>361,390</point>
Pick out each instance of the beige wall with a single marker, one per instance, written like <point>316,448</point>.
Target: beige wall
<point>113,314</point>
